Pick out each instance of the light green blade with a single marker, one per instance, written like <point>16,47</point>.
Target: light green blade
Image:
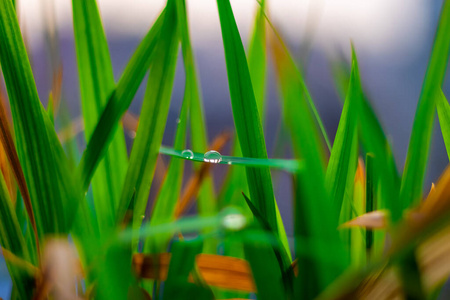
<point>344,154</point>
<point>96,85</point>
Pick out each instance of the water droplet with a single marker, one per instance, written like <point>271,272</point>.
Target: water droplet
<point>234,221</point>
<point>187,154</point>
<point>178,120</point>
<point>212,157</point>
<point>229,162</point>
<point>143,217</point>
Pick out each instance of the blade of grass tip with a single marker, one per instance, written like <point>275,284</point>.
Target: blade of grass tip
<point>246,116</point>
<point>32,140</point>
<point>344,154</point>
<point>119,101</point>
<point>298,90</point>
<point>155,108</point>
<point>257,57</point>
<point>11,239</point>
<point>96,84</point>
<point>443,109</point>
<point>419,144</point>
<point>199,138</point>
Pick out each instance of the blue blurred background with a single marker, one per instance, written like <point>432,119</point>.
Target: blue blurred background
<point>392,38</point>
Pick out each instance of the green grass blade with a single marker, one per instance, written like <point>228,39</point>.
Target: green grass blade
<point>155,109</point>
<point>257,60</point>
<point>419,144</point>
<point>32,141</point>
<point>199,137</point>
<point>11,239</point>
<point>96,84</point>
<point>344,154</point>
<point>443,109</point>
<point>118,103</point>
<point>246,116</point>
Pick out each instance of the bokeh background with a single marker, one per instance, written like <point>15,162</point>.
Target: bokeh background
<point>392,38</point>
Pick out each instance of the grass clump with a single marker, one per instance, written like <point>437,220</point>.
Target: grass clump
<point>61,240</point>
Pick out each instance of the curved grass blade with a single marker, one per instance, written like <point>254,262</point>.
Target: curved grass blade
<point>246,116</point>
<point>32,140</point>
<point>288,165</point>
<point>96,84</point>
<point>419,144</point>
<point>443,109</point>
<point>155,108</point>
<point>118,103</point>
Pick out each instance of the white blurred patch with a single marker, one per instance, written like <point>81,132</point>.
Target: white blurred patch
<point>377,27</point>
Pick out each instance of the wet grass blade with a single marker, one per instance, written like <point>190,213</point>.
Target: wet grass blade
<point>118,103</point>
<point>344,154</point>
<point>32,141</point>
<point>155,108</point>
<point>443,109</point>
<point>96,84</point>
<point>246,116</point>
<point>419,144</point>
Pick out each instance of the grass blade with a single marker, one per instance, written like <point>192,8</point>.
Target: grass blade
<point>96,84</point>
<point>344,154</point>
<point>155,107</point>
<point>246,116</point>
<point>419,144</point>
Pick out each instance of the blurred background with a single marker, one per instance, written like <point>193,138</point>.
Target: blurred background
<point>393,41</point>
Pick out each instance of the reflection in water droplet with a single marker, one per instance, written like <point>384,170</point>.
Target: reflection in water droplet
<point>187,154</point>
<point>234,221</point>
<point>212,157</point>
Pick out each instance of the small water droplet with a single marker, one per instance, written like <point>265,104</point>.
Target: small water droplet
<point>212,157</point>
<point>178,120</point>
<point>234,221</point>
<point>229,162</point>
<point>143,217</point>
<point>187,154</point>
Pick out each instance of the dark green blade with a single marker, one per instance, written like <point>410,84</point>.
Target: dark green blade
<point>32,140</point>
<point>96,84</point>
<point>118,103</point>
<point>246,116</point>
<point>155,109</point>
<point>419,144</point>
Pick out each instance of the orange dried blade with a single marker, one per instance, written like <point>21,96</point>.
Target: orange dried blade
<point>220,271</point>
<point>430,200</point>
<point>194,183</point>
<point>130,122</point>
<point>13,159</point>
<point>4,167</point>
<point>360,175</point>
<point>372,220</point>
